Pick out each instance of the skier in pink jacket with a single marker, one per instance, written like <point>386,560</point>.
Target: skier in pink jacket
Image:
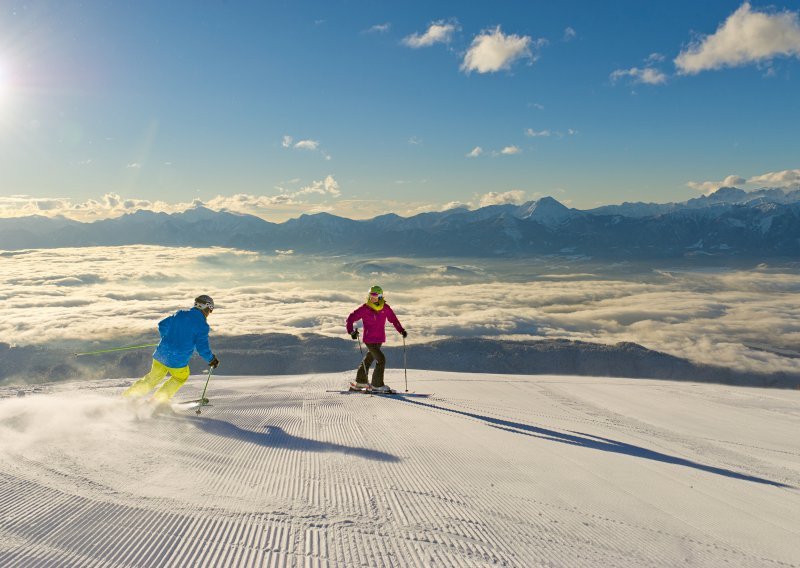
<point>373,313</point>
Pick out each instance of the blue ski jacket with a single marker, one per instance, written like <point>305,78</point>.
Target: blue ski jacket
<point>182,333</point>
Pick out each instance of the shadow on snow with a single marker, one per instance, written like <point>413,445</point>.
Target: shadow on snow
<point>595,443</point>
<point>276,437</point>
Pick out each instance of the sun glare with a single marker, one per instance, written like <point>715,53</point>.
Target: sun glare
<point>3,82</point>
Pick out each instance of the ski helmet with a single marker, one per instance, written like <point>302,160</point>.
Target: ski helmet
<point>376,290</point>
<point>204,302</point>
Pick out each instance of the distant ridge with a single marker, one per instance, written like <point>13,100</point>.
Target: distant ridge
<point>284,354</point>
<point>730,222</point>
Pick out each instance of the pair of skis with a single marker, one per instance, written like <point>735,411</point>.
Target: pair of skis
<point>357,388</point>
<point>192,404</point>
<point>159,407</point>
<point>368,389</point>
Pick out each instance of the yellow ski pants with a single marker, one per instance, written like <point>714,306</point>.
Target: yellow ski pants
<point>157,372</point>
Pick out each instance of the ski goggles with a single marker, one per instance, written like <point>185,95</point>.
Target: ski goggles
<point>376,296</point>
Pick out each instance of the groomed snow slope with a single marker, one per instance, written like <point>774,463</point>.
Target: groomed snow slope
<point>492,470</point>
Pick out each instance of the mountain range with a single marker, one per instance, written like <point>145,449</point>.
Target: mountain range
<point>284,354</point>
<point>729,222</point>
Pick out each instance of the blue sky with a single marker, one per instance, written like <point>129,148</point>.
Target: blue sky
<point>359,108</point>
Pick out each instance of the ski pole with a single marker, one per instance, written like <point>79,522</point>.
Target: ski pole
<point>405,363</point>
<point>203,396</point>
<point>363,366</point>
<point>115,349</point>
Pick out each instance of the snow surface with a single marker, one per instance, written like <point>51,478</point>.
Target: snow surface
<point>493,470</point>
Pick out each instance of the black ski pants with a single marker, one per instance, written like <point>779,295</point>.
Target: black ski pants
<point>374,353</point>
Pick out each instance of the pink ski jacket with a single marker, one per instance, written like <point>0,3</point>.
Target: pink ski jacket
<point>374,322</point>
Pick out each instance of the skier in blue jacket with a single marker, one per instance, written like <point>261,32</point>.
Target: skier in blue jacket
<point>181,333</point>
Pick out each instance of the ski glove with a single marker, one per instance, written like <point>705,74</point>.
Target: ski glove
<point>404,333</point>
<point>214,363</point>
<point>354,335</point>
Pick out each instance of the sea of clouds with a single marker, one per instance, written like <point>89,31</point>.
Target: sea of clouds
<point>743,318</point>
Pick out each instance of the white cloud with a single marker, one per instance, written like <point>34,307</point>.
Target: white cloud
<point>516,196</point>
<point>706,317</point>
<point>711,186</point>
<point>415,141</point>
<point>531,133</point>
<point>292,199</point>
<point>506,151</point>
<point>248,203</point>
<point>494,51</point>
<point>747,36</point>
<point>785,178</point>
<point>534,133</point>
<point>112,205</point>
<point>23,205</point>
<point>437,32</point>
<point>289,202</point>
<point>569,34</point>
<point>379,28</point>
<point>307,145</point>
<point>327,186</point>
<point>286,202</point>
<point>454,205</point>
<point>134,166</point>
<point>647,76</point>
<point>331,186</point>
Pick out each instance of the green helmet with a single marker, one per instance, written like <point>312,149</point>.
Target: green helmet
<point>376,290</point>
